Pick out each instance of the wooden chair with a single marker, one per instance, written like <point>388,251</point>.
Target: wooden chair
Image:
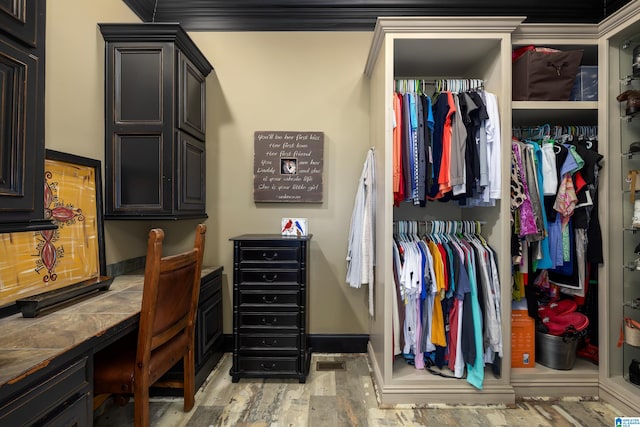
<point>166,331</point>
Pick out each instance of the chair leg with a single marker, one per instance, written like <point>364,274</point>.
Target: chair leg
<point>99,400</point>
<point>141,405</point>
<point>189,380</point>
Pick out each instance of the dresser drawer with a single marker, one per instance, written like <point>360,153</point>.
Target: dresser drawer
<point>272,365</point>
<point>269,342</point>
<point>266,300</point>
<point>269,254</point>
<point>268,276</point>
<point>269,320</point>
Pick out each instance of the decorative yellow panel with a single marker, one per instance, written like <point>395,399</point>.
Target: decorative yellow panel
<point>41,261</point>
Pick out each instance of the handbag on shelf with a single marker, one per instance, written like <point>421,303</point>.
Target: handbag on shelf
<point>541,74</point>
<point>634,372</point>
<point>631,334</point>
<point>633,178</point>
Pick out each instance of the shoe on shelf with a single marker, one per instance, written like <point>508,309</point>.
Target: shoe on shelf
<point>633,101</point>
<point>635,221</point>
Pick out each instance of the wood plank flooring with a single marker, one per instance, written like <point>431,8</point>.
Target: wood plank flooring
<point>340,397</point>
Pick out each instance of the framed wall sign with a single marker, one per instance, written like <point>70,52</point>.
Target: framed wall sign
<point>37,266</point>
<point>288,166</point>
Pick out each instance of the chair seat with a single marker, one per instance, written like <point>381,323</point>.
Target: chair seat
<point>114,367</point>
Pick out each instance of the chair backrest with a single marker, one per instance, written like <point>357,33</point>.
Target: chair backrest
<point>170,296</point>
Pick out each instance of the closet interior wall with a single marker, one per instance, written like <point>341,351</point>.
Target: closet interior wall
<point>436,48</point>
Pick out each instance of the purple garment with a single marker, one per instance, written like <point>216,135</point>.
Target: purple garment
<point>527,218</point>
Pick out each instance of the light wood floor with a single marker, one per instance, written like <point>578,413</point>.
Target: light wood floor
<point>340,397</point>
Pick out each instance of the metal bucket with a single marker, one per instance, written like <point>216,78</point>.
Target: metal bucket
<point>556,352</point>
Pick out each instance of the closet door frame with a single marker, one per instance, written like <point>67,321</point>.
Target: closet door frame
<point>583,379</point>
<point>422,387</point>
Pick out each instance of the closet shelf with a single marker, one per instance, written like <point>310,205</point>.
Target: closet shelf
<point>554,105</point>
<point>626,80</point>
<point>635,304</point>
<point>629,117</point>
<point>536,112</point>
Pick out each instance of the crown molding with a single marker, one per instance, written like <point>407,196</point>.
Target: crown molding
<point>353,15</point>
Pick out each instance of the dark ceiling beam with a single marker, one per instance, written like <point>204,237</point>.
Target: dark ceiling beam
<point>355,15</point>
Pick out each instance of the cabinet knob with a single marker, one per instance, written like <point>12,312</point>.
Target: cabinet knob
<point>269,279</point>
<point>273,256</point>
<point>266,367</point>
<point>271,344</point>
<point>269,301</point>
<point>266,322</point>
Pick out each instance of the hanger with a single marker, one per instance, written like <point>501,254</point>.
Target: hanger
<point>478,233</point>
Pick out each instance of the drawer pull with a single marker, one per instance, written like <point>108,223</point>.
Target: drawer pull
<point>269,301</point>
<point>271,344</point>
<point>270,258</point>
<point>273,322</point>
<point>268,368</point>
<point>272,279</point>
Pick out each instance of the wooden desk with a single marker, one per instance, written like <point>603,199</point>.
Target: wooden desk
<point>46,363</point>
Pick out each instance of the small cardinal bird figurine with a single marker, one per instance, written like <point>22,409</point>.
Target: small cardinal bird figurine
<point>287,226</point>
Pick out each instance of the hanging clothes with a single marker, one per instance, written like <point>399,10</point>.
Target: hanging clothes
<point>361,245</point>
<point>568,164</point>
<point>449,287</point>
<point>447,147</point>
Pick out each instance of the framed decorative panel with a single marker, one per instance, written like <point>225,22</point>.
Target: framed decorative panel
<point>287,166</point>
<point>37,266</point>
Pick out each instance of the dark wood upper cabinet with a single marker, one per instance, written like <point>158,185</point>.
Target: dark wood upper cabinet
<point>20,19</point>
<point>154,122</point>
<point>22,30</point>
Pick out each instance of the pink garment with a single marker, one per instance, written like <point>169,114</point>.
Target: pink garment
<point>453,334</point>
<point>566,199</point>
<point>527,218</point>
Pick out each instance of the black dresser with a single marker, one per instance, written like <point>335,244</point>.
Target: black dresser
<point>270,306</point>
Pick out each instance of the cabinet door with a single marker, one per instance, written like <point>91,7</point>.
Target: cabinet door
<point>209,326</point>
<point>139,137</point>
<point>21,153</point>
<point>19,18</point>
<point>138,173</point>
<point>191,173</point>
<point>191,98</point>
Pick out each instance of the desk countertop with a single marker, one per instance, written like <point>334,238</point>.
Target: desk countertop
<point>28,345</point>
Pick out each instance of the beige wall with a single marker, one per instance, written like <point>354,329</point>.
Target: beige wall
<point>305,81</point>
<point>74,97</point>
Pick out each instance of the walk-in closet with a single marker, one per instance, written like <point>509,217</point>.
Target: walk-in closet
<point>416,55</point>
